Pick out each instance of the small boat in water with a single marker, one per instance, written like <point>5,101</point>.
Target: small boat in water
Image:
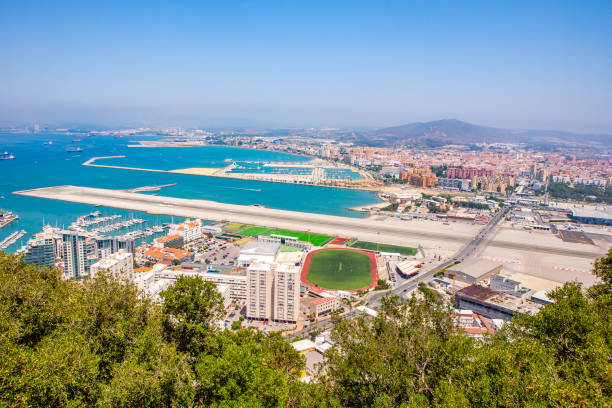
<point>6,156</point>
<point>48,143</point>
<point>74,150</point>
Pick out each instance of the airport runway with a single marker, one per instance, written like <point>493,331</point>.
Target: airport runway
<point>368,229</point>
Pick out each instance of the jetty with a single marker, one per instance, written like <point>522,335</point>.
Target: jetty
<point>11,239</point>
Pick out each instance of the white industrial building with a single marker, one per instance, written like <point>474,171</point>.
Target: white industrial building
<point>258,252</point>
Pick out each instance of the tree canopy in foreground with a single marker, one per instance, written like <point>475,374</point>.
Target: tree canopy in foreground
<point>97,343</point>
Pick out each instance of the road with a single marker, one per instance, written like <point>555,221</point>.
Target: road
<point>374,299</point>
<point>468,250</point>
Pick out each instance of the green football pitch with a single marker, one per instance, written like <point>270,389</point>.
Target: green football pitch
<point>373,246</point>
<point>253,231</point>
<point>314,239</point>
<point>340,269</point>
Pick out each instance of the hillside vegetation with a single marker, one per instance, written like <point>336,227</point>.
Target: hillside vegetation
<point>68,344</point>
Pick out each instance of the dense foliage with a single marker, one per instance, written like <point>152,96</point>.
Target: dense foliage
<point>97,343</point>
<point>581,192</point>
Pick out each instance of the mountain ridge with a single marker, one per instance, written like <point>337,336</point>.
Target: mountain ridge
<point>454,131</point>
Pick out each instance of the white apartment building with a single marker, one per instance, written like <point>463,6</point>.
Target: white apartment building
<point>260,279</point>
<point>237,284</point>
<point>273,291</point>
<point>189,230</point>
<point>286,299</point>
<point>74,255</point>
<point>158,279</point>
<point>224,290</point>
<point>120,264</point>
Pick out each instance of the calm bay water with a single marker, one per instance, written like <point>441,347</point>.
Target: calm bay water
<point>38,165</point>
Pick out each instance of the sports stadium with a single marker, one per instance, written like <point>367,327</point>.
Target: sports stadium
<point>346,269</point>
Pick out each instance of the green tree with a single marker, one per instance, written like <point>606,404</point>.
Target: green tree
<point>192,308</point>
<point>397,358</point>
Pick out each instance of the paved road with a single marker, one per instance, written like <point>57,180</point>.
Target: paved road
<point>374,299</point>
<point>468,250</point>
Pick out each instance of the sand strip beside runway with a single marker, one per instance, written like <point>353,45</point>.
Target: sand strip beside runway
<point>386,230</point>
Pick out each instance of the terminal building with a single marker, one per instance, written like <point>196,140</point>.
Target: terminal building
<point>591,216</point>
<point>493,304</point>
<point>473,270</point>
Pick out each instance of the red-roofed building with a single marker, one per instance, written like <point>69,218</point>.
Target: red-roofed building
<point>161,255</point>
<point>169,241</point>
<point>320,306</point>
<point>473,324</point>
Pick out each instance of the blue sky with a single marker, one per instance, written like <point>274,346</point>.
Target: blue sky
<point>330,63</point>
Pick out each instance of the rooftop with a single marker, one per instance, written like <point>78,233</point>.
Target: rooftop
<point>475,267</point>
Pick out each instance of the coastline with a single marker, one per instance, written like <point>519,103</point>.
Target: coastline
<point>362,184</point>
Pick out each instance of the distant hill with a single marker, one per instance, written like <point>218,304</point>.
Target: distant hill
<point>452,131</point>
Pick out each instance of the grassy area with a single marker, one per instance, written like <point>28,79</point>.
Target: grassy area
<point>373,246</point>
<point>340,269</point>
<point>253,231</point>
<point>287,248</point>
<point>314,239</point>
<point>232,226</point>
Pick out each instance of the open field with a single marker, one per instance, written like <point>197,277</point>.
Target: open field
<point>232,226</point>
<point>253,231</point>
<point>373,246</point>
<point>287,248</point>
<point>314,239</point>
<point>340,269</point>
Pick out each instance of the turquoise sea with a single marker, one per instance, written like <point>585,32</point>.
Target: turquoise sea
<point>39,165</point>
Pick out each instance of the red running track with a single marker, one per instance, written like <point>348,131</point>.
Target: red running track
<point>373,269</point>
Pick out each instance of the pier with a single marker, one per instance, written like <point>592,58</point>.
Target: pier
<point>11,239</point>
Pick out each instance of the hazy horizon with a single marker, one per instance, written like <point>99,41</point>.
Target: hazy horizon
<point>521,65</point>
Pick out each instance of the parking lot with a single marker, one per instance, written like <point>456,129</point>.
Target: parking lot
<point>216,251</point>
